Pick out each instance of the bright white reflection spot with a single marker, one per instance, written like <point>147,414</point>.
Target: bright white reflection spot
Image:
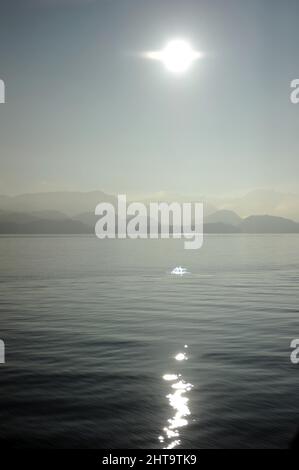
<point>177,56</point>
<point>179,271</point>
<point>170,377</point>
<point>173,444</point>
<point>178,401</point>
<point>181,385</point>
<point>181,357</point>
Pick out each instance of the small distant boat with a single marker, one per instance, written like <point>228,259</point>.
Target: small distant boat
<point>179,271</point>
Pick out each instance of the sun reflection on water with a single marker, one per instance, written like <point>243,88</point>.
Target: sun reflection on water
<point>179,402</point>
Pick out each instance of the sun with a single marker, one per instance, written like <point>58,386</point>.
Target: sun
<point>177,56</point>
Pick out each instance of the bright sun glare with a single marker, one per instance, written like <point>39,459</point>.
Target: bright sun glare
<point>177,56</point>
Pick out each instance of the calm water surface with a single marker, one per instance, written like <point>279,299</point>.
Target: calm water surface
<point>106,349</point>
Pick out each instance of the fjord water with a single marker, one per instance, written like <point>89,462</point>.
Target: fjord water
<point>96,336</point>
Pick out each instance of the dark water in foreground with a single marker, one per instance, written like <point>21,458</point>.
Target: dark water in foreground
<point>91,328</point>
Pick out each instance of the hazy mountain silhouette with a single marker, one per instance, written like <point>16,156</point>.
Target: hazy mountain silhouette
<point>170,197</point>
<point>224,217</point>
<point>70,203</point>
<point>220,227</point>
<point>268,224</point>
<point>73,212</point>
<point>18,223</point>
<point>262,202</point>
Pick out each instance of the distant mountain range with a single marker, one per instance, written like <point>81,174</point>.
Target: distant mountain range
<point>257,202</point>
<point>72,203</point>
<point>67,202</point>
<point>72,213</point>
<point>261,201</point>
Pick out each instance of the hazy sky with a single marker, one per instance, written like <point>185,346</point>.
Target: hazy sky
<point>84,111</point>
